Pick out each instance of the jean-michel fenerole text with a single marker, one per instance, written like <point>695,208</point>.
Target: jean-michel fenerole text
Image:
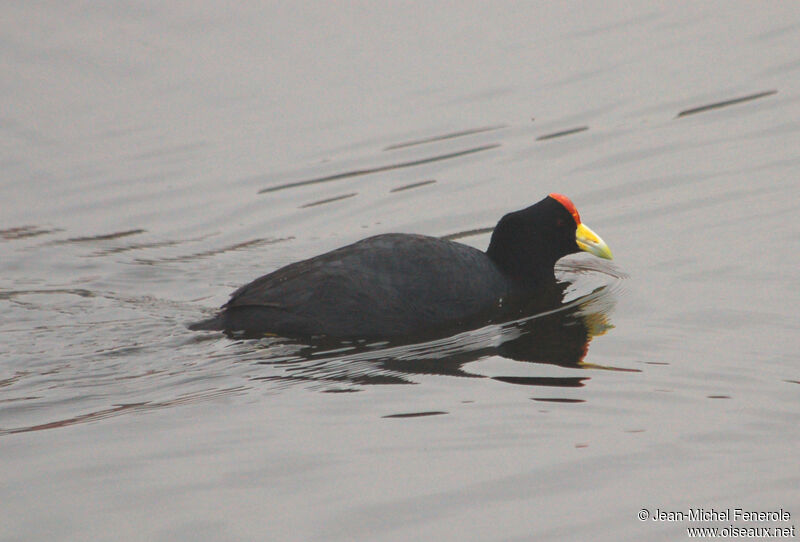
<point>721,514</point>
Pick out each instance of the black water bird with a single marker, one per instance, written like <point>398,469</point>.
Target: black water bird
<point>401,285</point>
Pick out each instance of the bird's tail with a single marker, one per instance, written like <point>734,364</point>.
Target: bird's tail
<point>211,324</point>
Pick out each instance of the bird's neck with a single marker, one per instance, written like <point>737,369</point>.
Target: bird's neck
<point>520,267</point>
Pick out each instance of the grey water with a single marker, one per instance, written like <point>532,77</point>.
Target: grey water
<point>155,156</point>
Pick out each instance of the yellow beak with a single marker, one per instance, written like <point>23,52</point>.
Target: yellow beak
<point>590,242</point>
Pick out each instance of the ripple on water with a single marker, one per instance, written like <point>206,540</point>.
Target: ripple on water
<point>116,362</point>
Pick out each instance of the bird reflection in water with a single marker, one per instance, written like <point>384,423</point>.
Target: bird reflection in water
<point>547,330</point>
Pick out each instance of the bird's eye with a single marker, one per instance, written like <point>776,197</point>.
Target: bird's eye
<point>560,222</point>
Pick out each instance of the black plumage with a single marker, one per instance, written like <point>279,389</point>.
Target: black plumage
<point>401,284</point>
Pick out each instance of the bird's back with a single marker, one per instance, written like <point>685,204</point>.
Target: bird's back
<point>382,286</point>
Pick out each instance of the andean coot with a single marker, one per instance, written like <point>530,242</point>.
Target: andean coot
<point>397,284</point>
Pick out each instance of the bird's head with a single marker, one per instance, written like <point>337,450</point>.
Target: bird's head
<point>526,244</point>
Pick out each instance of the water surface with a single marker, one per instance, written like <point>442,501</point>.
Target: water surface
<point>157,157</point>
